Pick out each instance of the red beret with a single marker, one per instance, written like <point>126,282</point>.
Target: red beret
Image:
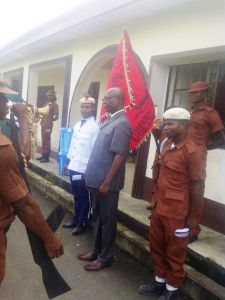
<point>198,86</point>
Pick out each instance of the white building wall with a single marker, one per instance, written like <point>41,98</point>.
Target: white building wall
<point>32,88</point>
<point>25,81</point>
<point>170,33</point>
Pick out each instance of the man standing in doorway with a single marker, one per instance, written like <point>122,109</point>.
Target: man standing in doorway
<point>206,130</point>
<point>105,178</point>
<point>47,125</point>
<point>85,133</point>
<point>180,178</point>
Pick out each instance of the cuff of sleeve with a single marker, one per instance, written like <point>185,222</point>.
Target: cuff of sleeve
<point>16,193</point>
<point>118,151</point>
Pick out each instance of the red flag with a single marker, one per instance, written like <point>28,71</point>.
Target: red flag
<point>138,105</point>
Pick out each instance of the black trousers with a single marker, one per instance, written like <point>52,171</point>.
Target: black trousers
<point>81,199</point>
<point>105,228</point>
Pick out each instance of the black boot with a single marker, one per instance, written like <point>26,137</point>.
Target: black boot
<point>192,239</point>
<point>152,288</point>
<point>170,295</point>
<point>45,159</point>
<point>71,224</point>
<point>80,228</point>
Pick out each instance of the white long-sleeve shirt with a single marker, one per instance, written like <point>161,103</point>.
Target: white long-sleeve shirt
<point>82,144</point>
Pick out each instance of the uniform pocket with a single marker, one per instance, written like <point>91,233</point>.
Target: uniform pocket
<point>175,195</point>
<point>176,167</point>
<point>199,123</point>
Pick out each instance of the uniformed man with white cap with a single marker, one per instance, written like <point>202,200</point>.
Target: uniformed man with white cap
<point>85,133</point>
<point>180,178</point>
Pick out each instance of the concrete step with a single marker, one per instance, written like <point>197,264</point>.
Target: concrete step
<point>207,255</point>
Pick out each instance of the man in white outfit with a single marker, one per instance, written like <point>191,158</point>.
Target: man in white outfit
<point>85,133</point>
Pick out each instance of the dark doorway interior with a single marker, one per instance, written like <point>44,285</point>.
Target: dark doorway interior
<point>219,103</point>
<point>42,90</point>
<point>93,91</point>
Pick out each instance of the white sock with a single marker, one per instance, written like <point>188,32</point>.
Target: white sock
<point>160,279</point>
<point>170,288</point>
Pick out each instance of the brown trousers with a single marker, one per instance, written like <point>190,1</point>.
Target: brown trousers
<point>2,254</point>
<point>167,250</point>
<point>198,215</point>
<point>46,140</point>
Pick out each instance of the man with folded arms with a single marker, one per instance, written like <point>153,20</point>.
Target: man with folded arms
<point>180,178</point>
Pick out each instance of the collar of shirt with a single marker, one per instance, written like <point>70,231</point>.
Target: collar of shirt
<point>87,119</point>
<point>4,140</point>
<point>178,145</point>
<point>202,106</point>
<point>114,114</point>
<point>172,146</point>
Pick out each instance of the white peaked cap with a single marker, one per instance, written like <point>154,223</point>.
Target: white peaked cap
<point>176,113</point>
<point>87,100</point>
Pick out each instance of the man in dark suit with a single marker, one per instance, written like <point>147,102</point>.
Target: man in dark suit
<point>104,177</point>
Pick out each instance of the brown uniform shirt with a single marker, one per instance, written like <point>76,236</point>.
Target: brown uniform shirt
<point>204,122</point>
<point>53,110</point>
<point>12,186</point>
<point>179,166</point>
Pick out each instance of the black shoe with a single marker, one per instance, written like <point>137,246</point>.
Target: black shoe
<point>39,158</point>
<point>69,225</point>
<point>153,288</point>
<point>87,256</point>
<point>80,228</point>
<point>44,159</point>
<point>192,239</point>
<point>170,295</point>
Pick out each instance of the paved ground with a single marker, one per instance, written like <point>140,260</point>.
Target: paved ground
<point>23,279</point>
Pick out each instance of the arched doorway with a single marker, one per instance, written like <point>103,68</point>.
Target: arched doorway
<point>93,80</point>
<point>96,71</point>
